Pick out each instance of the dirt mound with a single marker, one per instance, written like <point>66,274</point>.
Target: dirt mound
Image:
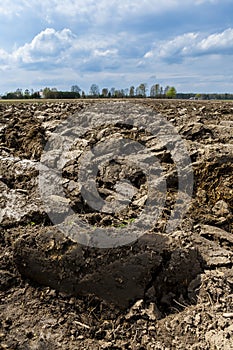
<point>164,290</point>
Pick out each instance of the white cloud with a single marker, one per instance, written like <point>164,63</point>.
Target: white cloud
<point>218,42</point>
<point>47,45</point>
<point>4,60</point>
<point>7,8</point>
<point>99,11</point>
<point>149,54</point>
<point>3,56</point>
<point>11,8</point>
<point>105,53</point>
<point>179,46</point>
<point>52,49</point>
<point>193,45</point>
<point>200,2</point>
<point>89,7</point>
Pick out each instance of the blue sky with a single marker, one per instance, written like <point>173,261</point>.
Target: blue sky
<point>117,43</point>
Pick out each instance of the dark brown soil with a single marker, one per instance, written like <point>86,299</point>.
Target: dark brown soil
<point>163,291</point>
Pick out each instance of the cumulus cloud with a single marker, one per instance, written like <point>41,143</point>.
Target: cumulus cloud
<point>193,45</point>
<point>49,44</point>
<point>178,47</point>
<point>51,49</point>
<point>217,43</point>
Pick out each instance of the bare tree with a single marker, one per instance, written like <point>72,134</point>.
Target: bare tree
<point>141,90</point>
<point>75,88</point>
<point>94,90</point>
<point>131,91</point>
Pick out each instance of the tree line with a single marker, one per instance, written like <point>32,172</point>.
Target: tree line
<point>94,92</point>
<point>140,91</point>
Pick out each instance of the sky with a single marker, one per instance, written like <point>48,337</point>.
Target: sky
<point>118,43</point>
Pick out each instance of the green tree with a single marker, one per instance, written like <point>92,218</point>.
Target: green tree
<point>104,92</point>
<point>171,92</point>
<point>35,94</point>
<point>198,96</point>
<point>19,93</point>
<point>46,92</point>
<point>51,93</point>
<point>27,93</point>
